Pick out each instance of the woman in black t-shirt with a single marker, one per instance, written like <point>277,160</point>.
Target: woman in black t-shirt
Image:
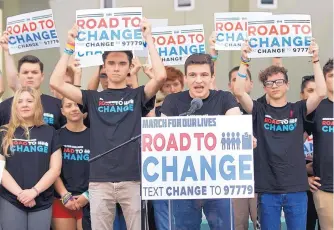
<point>33,162</point>
<point>72,185</point>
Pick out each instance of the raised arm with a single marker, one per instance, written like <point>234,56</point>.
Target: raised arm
<point>214,55</point>
<point>320,90</point>
<point>10,67</point>
<point>57,80</point>
<point>135,67</point>
<point>2,86</point>
<point>277,61</point>
<point>239,89</point>
<point>159,72</point>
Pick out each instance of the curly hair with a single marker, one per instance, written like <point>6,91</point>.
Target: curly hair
<point>328,67</point>
<point>271,70</point>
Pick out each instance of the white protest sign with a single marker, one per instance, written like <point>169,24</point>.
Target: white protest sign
<point>32,31</point>
<point>279,35</point>
<point>154,23</point>
<point>231,29</point>
<point>109,29</point>
<point>2,166</point>
<point>197,157</point>
<point>176,43</point>
<point>89,58</point>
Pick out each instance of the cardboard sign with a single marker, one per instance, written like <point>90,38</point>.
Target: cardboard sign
<point>197,157</point>
<point>176,43</point>
<point>32,31</point>
<point>109,29</point>
<point>231,29</point>
<point>279,36</point>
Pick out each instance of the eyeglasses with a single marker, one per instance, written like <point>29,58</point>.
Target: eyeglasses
<point>278,82</point>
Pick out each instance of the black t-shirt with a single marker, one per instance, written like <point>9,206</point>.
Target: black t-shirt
<point>322,130</point>
<point>157,111</point>
<point>51,106</point>
<point>114,116</point>
<point>262,99</point>
<point>75,154</point>
<point>279,162</point>
<point>218,103</point>
<point>29,161</point>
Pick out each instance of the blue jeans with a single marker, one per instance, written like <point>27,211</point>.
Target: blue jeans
<point>294,206</point>
<point>188,214</point>
<point>119,222</point>
<point>161,214</point>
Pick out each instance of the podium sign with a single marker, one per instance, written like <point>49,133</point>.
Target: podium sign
<point>197,157</point>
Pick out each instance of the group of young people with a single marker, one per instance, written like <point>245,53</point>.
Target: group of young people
<point>47,141</point>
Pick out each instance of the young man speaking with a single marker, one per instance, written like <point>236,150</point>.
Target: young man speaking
<point>199,76</point>
<point>114,118</point>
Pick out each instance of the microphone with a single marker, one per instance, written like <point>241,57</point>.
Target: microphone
<point>195,105</point>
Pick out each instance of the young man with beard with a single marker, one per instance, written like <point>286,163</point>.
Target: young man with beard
<point>279,165</point>
<point>115,118</point>
<point>199,76</point>
<point>30,73</point>
<point>321,183</point>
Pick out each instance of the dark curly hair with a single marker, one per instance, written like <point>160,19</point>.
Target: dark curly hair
<point>271,70</point>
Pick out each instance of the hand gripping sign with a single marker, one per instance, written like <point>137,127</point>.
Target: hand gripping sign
<point>279,36</point>
<point>32,31</point>
<point>197,157</point>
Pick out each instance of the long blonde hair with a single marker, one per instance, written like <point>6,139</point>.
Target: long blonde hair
<point>17,121</point>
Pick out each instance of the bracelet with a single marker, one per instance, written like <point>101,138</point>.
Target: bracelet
<point>71,43</point>
<point>242,75</point>
<point>214,57</point>
<point>66,198</point>
<point>68,51</point>
<point>86,195</point>
<point>245,60</point>
<point>35,189</point>
<point>79,86</point>
<point>315,61</point>
<point>245,63</point>
<point>70,46</point>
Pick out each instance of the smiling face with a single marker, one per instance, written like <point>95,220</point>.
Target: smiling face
<point>199,80</point>
<point>71,110</point>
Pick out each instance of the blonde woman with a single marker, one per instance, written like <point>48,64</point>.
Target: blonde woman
<point>33,162</point>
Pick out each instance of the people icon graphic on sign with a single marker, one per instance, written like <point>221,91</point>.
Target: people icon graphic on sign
<point>246,141</point>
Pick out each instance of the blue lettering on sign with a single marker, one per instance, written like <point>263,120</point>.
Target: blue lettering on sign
<point>111,35</point>
<point>327,129</point>
<point>230,37</point>
<point>264,42</point>
<point>181,50</point>
<point>32,37</point>
<point>89,53</point>
<point>226,170</point>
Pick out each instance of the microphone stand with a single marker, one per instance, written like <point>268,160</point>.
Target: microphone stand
<point>113,149</point>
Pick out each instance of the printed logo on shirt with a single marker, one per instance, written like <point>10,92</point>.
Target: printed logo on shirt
<point>115,106</point>
<point>308,148</point>
<point>285,125</point>
<point>48,118</point>
<point>327,125</point>
<point>75,153</point>
<point>29,146</point>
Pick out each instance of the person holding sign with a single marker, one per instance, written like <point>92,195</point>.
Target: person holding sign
<point>280,175</point>
<point>199,75</point>
<point>29,74</point>
<point>115,118</point>
<point>321,183</point>
<point>33,163</point>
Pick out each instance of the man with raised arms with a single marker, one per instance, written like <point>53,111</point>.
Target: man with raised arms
<point>115,118</point>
